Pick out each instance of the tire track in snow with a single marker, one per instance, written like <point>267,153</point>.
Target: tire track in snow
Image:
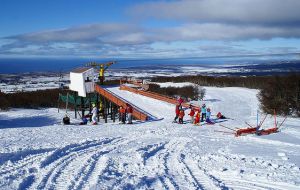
<point>167,173</point>
<point>21,160</point>
<point>186,179</point>
<point>115,175</point>
<point>61,152</point>
<point>87,170</point>
<point>238,183</point>
<point>234,176</point>
<point>214,179</point>
<point>203,178</point>
<point>86,160</point>
<point>26,183</point>
<point>166,160</point>
<point>110,176</point>
<point>83,175</point>
<point>26,167</point>
<point>196,182</point>
<point>169,158</point>
<point>13,174</point>
<point>54,164</point>
<point>160,156</point>
<point>192,176</point>
<point>151,150</point>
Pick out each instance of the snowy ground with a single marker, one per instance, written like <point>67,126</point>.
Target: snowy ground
<point>37,152</point>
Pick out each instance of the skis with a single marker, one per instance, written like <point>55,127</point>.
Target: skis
<point>225,132</point>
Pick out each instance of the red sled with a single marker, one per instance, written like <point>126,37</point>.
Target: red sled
<point>247,131</point>
<point>268,131</point>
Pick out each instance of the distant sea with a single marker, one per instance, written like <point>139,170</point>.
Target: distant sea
<point>243,65</point>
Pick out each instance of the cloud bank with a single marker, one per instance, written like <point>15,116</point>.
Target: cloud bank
<point>257,12</point>
<point>196,21</point>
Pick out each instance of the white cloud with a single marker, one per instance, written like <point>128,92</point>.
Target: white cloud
<point>88,32</point>
<point>215,31</point>
<point>196,20</point>
<point>278,12</point>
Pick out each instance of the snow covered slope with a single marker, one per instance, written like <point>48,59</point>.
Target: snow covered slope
<point>37,152</point>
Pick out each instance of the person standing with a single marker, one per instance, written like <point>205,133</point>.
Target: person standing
<point>101,74</point>
<point>177,110</point>
<point>197,118</point>
<point>181,115</point>
<point>129,111</point>
<point>122,112</point>
<point>203,111</point>
<point>94,114</point>
<point>191,114</point>
<point>180,100</point>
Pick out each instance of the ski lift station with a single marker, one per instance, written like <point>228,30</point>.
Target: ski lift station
<point>82,81</point>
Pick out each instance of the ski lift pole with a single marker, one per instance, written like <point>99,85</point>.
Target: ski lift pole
<point>275,119</point>
<point>261,123</point>
<point>249,125</point>
<point>256,118</point>
<point>67,101</point>
<point>282,122</point>
<point>58,102</point>
<point>226,127</point>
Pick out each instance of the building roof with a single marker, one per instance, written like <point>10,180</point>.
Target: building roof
<point>81,69</point>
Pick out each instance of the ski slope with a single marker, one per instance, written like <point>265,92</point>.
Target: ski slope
<point>37,152</point>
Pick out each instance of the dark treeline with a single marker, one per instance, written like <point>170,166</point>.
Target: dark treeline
<point>187,92</point>
<point>281,94</point>
<point>34,99</point>
<point>255,82</point>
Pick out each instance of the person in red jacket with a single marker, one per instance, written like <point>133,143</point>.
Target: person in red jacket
<point>181,115</point>
<point>129,111</point>
<point>180,100</point>
<point>191,114</point>
<point>177,110</point>
<point>197,118</point>
<point>122,112</point>
<point>220,116</point>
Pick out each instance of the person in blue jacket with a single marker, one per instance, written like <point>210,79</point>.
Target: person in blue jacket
<point>208,114</point>
<point>203,112</point>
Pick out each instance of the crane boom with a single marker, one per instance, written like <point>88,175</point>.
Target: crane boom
<point>102,67</point>
<point>94,64</point>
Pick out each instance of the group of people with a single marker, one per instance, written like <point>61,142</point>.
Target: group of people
<point>203,114</point>
<point>123,111</point>
<point>94,113</point>
<point>196,116</point>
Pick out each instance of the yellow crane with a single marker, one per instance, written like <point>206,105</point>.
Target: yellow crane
<point>102,67</point>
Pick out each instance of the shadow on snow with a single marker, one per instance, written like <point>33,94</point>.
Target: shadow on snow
<point>35,121</point>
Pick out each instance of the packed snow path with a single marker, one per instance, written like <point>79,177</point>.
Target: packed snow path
<point>37,152</point>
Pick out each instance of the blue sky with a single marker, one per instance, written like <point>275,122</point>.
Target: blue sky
<point>148,29</point>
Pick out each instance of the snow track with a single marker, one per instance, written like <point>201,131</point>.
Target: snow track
<point>150,155</point>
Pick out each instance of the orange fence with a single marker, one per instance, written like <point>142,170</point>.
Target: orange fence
<point>136,113</point>
<point>136,82</point>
